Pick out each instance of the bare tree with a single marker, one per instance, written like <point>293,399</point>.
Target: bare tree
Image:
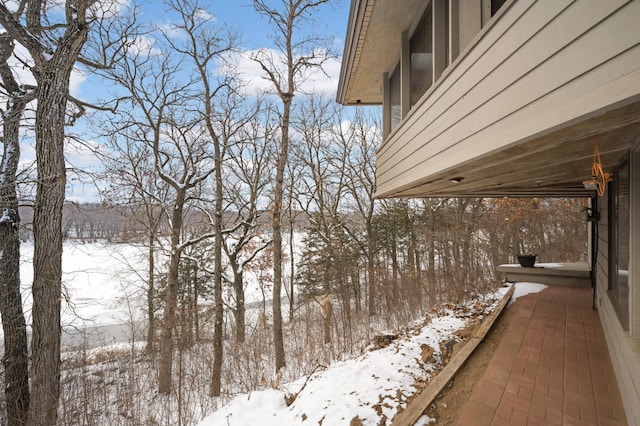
<point>54,42</point>
<point>247,177</point>
<point>15,359</point>
<point>177,147</point>
<point>286,70</point>
<point>325,186</point>
<point>187,145</point>
<point>181,127</point>
<point>294,213</point>
<point>360,139</point>
<point>136,188</point>
<point>53,80</point>
<point>205,44</point>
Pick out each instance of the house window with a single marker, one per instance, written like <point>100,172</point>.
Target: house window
<point>394,97</point>
<point>421,48</point>
<point>423,59</point>
<point>619,244</point>
<point>496,5</point>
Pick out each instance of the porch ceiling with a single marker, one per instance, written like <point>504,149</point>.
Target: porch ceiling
<point>372,46</point>
<point>554,164</point>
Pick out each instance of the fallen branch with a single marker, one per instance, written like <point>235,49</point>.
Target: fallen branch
<point>290,399</point>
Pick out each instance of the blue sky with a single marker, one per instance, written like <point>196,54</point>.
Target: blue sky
<point>255,30</point>
<point>330,20</point>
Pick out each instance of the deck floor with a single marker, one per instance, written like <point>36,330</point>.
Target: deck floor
<point>552,367</point>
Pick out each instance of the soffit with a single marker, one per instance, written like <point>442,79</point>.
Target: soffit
<point>372,46</point>
<point>554,164</point>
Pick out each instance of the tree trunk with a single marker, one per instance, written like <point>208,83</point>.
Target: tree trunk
<point>292,264</point>
<point>151,326</point>
<point>15,359</point>
<point>196,295</point>
<point>239,313</point>
<point>357,290</point>
<point>431,263</point>
<point>47,258</point>
<point>169,321</point>
<point>193,305</point>
<point>276,225</point>
<point>218,331</point>
<point>371,279</point>
<point>328,313</point>
<point>395,271</point>
<point>186,310</point>
<point>346,295</point>
<point>327,307</point>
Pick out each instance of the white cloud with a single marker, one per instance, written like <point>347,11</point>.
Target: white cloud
<point>314,80</point>
<point>171,31</point>
<point>21,62</point>
<point>27,154</point>
<point>324,82</point>
<point>75,82</point>
<point>82,154</point>
<point>108,9</point>
<point>81,161</point>
<point>204,15</point>
<point>144,44</point>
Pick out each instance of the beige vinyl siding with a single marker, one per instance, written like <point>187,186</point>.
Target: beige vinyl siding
<point>541,66</point>
<point>625,358</point>
<point>470,24</point>
<point>624,350</point>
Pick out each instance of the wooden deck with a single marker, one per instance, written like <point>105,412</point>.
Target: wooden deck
<point>552,367</point>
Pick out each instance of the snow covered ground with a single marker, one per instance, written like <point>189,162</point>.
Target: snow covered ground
<point>104,290</point>
<point>522,289</point>
<point>371,387</point>
<point>103,294</point>
<point>97,280</point>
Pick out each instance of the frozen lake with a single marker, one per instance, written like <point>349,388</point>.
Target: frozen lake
<point>104,291</point>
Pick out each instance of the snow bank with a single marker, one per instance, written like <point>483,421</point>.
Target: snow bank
<point>372,387</point>
<point>524,288</point>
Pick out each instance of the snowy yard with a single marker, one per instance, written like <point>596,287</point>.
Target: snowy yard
<point>372,387</point>
<point>103,289</point>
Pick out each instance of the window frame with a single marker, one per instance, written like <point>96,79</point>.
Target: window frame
<point>619,242</point>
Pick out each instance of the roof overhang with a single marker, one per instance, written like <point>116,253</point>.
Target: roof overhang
<point>554,164</point>
<point>479,134</point>
<point>379,23</point>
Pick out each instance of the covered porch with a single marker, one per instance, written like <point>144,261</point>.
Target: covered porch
<point>551,366</point>
<point>543,100</point>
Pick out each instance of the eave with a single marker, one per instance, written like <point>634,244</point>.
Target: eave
<point>372,46</point>
<point>519,111</point>
<point>552,165</point>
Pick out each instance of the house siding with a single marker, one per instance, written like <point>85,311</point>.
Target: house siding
<point>540,67</point>
<point>623,349</point>
<point>624,358</point>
